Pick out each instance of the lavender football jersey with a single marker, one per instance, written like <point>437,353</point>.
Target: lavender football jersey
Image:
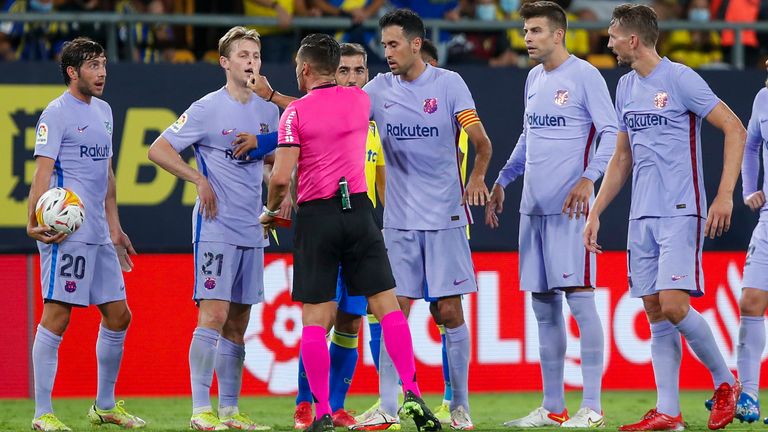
<point>210,125</point>
<point>757,136</point>
<point>78,136</point>
<point>419,134</point>
<point>662,114</point>
<point>566,110</point>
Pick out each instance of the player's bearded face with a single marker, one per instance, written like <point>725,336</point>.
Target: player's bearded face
<point>92,76</point>
<point>539,38</point>
<point>400,53</point>
<point>352,71</point>
<point>619,43</point>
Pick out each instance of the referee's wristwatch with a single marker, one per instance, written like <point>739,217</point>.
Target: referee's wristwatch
<point>271,213</point>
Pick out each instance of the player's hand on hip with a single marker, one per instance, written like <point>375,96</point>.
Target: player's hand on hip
<point>243,143</point>
<point>124,248</point>
<point>260,85</point>
<point>207,199</point>
<point>719,218</point>
<point>477,192</point>
<point>494,206</point>
<point>45,234</point>
<point>755,201</point>
<point>590,235</point>
<point>577,201</point>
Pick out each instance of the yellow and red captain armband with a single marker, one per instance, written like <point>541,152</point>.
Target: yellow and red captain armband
<point>467,118</point>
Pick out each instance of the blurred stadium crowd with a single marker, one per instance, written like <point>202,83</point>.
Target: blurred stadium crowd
<point>185,44</point>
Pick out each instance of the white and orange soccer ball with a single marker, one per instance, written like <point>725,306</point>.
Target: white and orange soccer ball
<point>60,209</point>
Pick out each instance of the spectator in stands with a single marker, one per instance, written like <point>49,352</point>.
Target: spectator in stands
<point>149,40</point>
<point>6,49</point>
<point>206,39</point>
<point>483,47</point>
<point>359,11</point>
<point>32,41</point>
<point>665,10</point>
<point>738,11</point>
<point>577,41</point>
<point>433,9</point>
<point>94,31</point>
<point>697,49</point>
<point>436,9</point>
<point>278,44</point>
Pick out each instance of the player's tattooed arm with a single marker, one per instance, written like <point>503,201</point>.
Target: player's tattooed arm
<point>719,217</point>
<point>43,233</point>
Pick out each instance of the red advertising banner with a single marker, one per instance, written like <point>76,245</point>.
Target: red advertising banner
<point>14,321</point>
<point>504,334</point>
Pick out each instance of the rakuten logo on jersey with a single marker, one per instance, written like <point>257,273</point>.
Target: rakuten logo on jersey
<point>641,121</point>
<point>402,132</point>
<point>243,159</point>
<point>96,153</point>
<point>537,121</point>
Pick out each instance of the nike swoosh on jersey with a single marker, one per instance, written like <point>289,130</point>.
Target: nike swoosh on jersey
<point>567,275</point>
<point>455,282</point>
<point>676,278</point>
<point>82,129</point>
<point>388,105</point>
<point>227,131</point>
<point>530,96</point>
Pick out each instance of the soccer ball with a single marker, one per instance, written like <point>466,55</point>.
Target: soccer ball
<point>60,209</point>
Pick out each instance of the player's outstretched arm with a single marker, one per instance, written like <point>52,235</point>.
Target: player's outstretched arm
<point>477,192</point>
<point>43,171</point>
<point>163,154</point>
<point>120,239</point>
<point>616,174</point>
<point>719,217</point>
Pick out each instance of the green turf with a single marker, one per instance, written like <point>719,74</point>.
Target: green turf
<point>489,411</point>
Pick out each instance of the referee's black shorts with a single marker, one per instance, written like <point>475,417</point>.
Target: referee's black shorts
<point>326,237</point>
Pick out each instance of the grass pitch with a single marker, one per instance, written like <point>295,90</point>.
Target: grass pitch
<point>489,411</point>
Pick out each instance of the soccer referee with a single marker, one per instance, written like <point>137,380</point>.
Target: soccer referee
<point>324,132</point>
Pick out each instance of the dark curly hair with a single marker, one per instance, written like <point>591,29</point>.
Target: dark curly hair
<point>322,52</point>
<point>413,26</point>
<point>77,52</point>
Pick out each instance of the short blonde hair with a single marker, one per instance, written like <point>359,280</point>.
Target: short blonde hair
<point>235,34</point>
